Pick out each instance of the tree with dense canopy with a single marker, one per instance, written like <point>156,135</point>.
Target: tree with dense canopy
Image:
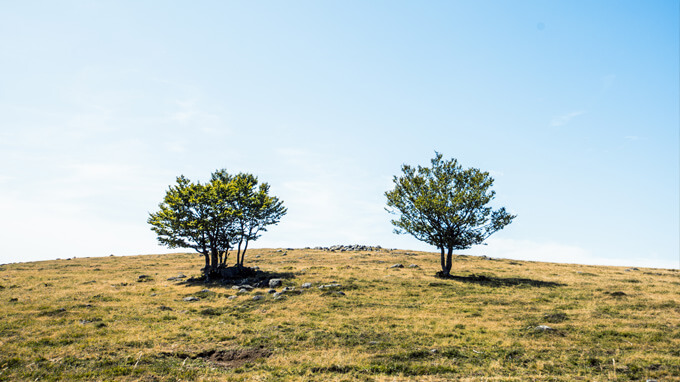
<point>445,206</point>
<point>212,218</point>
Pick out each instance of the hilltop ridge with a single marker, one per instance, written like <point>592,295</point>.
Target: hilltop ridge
<point>329,314</point>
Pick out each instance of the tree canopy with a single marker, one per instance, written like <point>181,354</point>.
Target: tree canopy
<point>445,206</point>
<point>228,212</point>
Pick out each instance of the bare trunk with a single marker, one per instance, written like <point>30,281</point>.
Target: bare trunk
<point>207,262</point>
<point>214,254</point>
<point>238,254</point>
<point>449,261</point>
<point>243,255</point>
<point>445,272</point>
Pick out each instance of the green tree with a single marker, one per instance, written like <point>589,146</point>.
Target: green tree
<point>445,206</point>
<point>254,211</point>
<point>209,218</point>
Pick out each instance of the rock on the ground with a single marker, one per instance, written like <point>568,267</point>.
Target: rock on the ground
<point>273,283</point>
<point>306,285</point>
<point>544,328</point>
<point>329,286</point>
<point>191,298</point>
<point>397,266</point>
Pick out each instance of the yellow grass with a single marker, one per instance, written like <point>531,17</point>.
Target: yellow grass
<point>92,319</point>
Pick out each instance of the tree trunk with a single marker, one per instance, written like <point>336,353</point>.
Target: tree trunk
<point>243,255</point>
<point>449,261</point>
<point>214,259</point>
<point>207,262</point>
<point>238,254</point>
<point>445,272</point>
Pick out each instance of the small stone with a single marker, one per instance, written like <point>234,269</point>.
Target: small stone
<point>243,290</point>
<point>258,297</point>
<point>288,289</point>
<point>544,328</point>
<point>142,277</point>
<point>273,283</point>
<point>397,266</point>
<point>163,307</point>
<point>271,291</point>
<point>205,291</point>
<point>278,294</point>
<point>191,298</point>
<point>306,285</point>
<point>232,297</point>
<point>340,293</point>
<point>329,286</point>
<point>236,287</point>
<point>153,294</point>
<point>413,266</point>
<point>434,351</point>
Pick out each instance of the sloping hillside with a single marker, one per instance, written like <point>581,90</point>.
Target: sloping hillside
<point>362,318</point>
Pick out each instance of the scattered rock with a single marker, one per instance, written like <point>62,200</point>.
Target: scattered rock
<point>191,298</point>
<point>205,291</point>
<point>236,287</point>
<point>329,286</point>
<point>632,269</point>
<point>273,283</point>
<point>413,266</point>
<point>258,297</point>
<point>243,290</point>
<point>278,294</point>
<point>271,291</point>
<point>13,299</point>
<point>306,285</point>
<point>543,328</point>
<point>618,294</point>
<point>163,307</point>
<point>232,297</point>
<point>349,248</point>
<point>288,289</point>
<point>153,294</point>
<point>434,351</point>
<point>143,278</point>
<point>397,266</point>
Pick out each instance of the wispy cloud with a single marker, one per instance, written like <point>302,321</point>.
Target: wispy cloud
<point>562,120</point>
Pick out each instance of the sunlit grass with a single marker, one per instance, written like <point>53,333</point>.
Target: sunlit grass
<point>95,319</point>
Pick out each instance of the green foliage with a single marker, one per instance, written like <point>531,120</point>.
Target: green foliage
<point>445,205</point>
<point>212,218</point>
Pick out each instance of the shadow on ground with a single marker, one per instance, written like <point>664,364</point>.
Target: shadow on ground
<point>502,281</point>
<point>238,276</point>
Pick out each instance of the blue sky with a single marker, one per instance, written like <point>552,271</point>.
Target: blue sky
<point>572,106</point>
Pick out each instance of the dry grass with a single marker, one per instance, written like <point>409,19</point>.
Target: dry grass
<point>93,319</point>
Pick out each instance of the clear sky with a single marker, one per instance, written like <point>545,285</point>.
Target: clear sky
<point>572,106</point>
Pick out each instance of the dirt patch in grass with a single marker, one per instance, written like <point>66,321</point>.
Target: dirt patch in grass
<point>229,358</point>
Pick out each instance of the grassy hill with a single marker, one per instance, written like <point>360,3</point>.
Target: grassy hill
<point>497,320</point>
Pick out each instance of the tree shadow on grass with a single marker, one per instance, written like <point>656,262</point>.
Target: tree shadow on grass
<point>496,282</point>
<point>234,276</point>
